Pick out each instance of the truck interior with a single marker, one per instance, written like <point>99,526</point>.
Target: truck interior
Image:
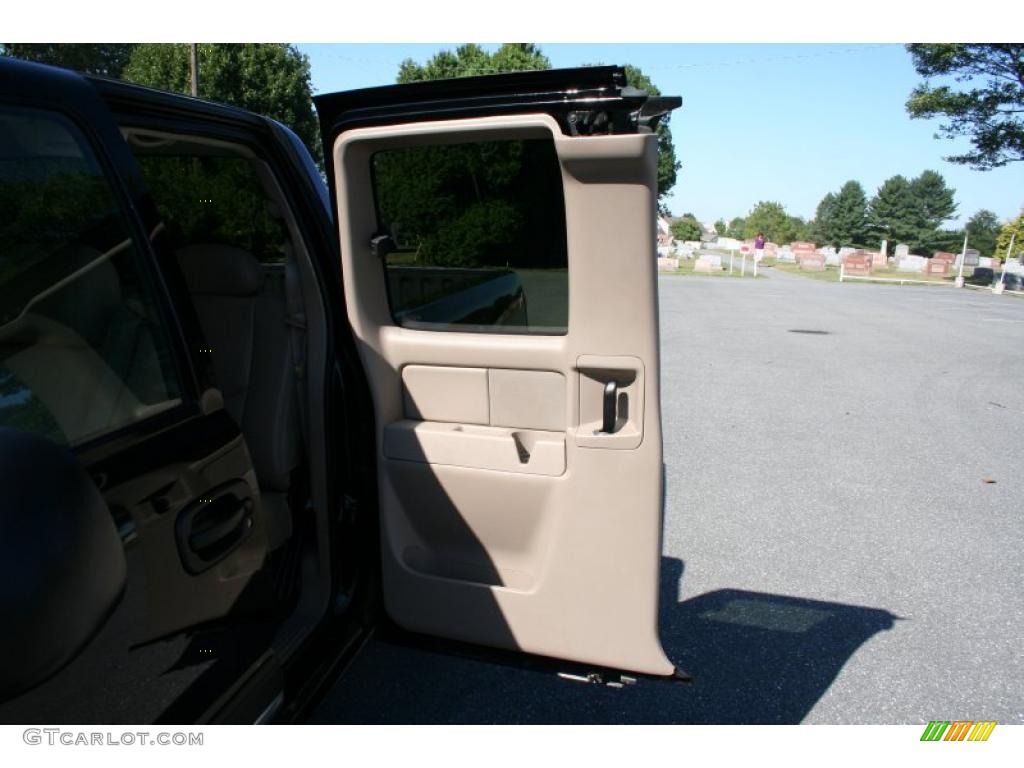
<point>247,275</point>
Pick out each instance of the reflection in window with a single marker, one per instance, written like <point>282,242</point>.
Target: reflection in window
<point>81,349</point>
<point>213,198</point>
<point>478,236</point>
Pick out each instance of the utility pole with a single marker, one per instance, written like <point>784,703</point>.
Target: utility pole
<point>195,69</point>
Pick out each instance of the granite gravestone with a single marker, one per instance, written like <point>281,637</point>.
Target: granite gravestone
<point>857,263</point>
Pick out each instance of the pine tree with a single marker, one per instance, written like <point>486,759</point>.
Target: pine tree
<point>895,213</point>
<point>937,205</point>
<point>823,227</point>
<point>842,218</point>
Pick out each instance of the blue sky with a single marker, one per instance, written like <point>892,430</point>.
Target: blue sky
<point>759,122</point>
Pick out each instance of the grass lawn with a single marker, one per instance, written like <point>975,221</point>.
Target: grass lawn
<point>831,275</point>
<point>686,269</point>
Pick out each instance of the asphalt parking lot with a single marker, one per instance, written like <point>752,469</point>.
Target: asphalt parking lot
<point>843,522</point>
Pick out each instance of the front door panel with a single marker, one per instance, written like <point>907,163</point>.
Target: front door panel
<point>519,465</point>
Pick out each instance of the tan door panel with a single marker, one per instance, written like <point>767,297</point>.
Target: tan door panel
<point>557,554</point>
<point>530,399</point>
<point>494,396</point>
<point>524,451</point>
<point>440,393</point>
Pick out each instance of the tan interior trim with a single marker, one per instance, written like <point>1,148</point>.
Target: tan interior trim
<point>497,397</point>
<point>564,566</point>
<point>531,399</point>
<point>500,449</point>
<point>446,393</point>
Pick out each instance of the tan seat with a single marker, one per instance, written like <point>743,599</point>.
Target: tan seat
<point>243,316</point>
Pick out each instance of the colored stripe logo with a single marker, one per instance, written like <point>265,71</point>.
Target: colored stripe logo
<point>958,730</point>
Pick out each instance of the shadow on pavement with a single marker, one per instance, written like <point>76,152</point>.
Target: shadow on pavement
<point>756,657</point>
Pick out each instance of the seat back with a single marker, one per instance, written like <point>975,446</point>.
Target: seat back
<point>243,318</point>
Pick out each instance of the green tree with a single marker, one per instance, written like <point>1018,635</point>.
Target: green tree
<point>470,60</point>
<point>736,228</point>
<point>268,78</point>
<point>936,200</point>
<point>842,218</point>
<point>895,213</point>
<point>913,212</point>
<point>823,227</point>
<point>990,111</point>
<point>983,230</point>
<point>771,218</point>
<point>721,227</point>
<point>1009,229</point>
<point>802,229</point>
<point>107,59</point>
<point>686,227</point>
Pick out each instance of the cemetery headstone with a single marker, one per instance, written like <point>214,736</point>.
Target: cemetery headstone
<point>708,264</point>
<point>912,264</point>
<point>812,261</point>
<point>857,263</point>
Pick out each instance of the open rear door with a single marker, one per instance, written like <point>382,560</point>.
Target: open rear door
<point>498,252</point>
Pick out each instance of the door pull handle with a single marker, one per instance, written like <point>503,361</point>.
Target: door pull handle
<point>610,408</point>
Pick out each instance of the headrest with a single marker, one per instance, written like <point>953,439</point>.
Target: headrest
<point>220,270</point>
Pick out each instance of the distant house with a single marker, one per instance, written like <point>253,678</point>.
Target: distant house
<point>666,243</point>
<point>710,233</point>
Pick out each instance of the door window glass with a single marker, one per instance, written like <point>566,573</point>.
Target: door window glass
<point>82,350</point>
<point>211,194</point>
<point>477,237</point>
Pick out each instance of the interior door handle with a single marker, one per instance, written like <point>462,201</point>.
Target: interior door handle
<point>610,407</point>
<point>228,522</point>
<point>209,530</point>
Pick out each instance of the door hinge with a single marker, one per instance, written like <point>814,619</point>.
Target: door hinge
<point>619,680</point>
<point>600,678</point>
